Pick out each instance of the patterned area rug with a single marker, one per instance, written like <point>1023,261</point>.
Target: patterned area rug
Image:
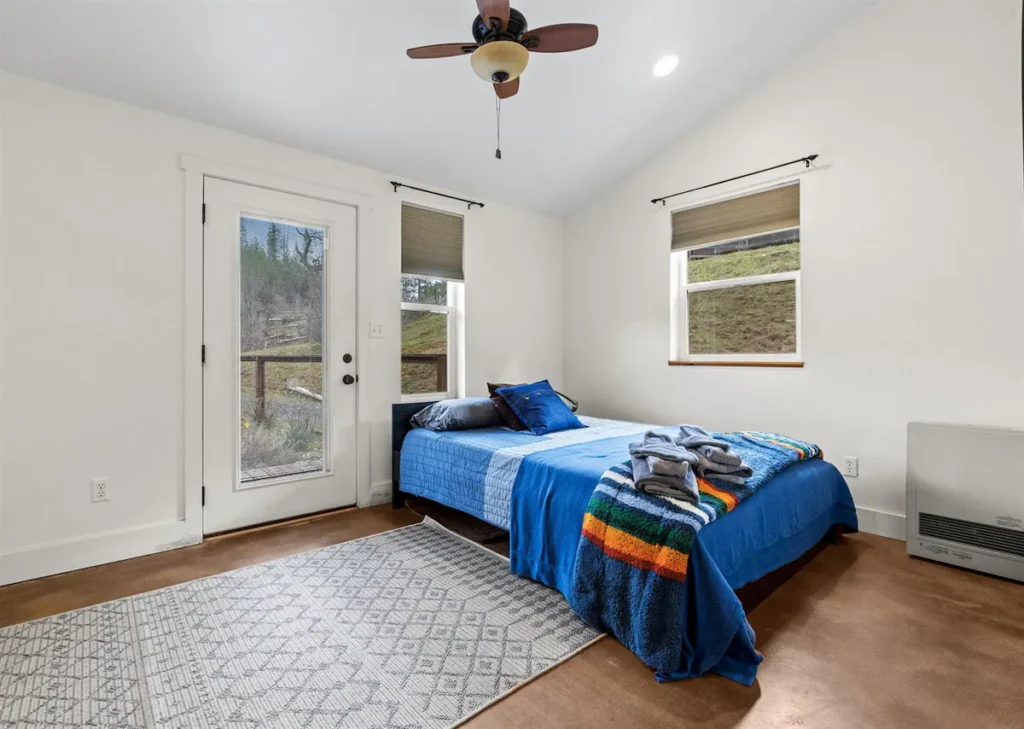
<point>410,628</point>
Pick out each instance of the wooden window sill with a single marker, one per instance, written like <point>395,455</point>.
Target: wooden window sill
<point>687,363</point>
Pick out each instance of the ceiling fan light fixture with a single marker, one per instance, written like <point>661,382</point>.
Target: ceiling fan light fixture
<point>500,61</point>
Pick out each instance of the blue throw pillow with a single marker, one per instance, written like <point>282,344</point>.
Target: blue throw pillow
<point>463,414</point>
<point>539,407</point>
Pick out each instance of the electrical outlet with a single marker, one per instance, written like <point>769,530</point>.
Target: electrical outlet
<point>376,331</point>
<point>849,466</point>
<point>99,489</point>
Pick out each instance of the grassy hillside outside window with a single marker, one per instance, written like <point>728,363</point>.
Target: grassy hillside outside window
<point>429,320</point>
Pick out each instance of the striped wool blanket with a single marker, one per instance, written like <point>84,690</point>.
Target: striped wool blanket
<point>631,562</point>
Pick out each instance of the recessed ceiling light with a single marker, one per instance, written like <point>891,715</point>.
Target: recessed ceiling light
<point>665,65</point>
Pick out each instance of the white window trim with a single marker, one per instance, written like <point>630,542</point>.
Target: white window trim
<point>680,336</point>
<point>455,313</point>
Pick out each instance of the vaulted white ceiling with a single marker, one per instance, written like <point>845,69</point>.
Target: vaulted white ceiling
<point>333,78</point>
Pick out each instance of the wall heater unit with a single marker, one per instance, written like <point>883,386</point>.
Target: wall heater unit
<point>965,497</point>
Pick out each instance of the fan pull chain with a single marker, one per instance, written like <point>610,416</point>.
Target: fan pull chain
<point>497,109</point>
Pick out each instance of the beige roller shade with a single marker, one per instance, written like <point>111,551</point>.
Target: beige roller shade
<point>740,217</point>
<point>431,243</point>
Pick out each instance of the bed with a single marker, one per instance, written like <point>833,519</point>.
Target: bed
<point>537,488</point>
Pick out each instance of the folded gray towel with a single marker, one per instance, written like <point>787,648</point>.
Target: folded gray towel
<point>665,467</point>
<point>661,446</point>
<point>652,436</point>
<point>694,436</point>
<point>715,458</point>
<point>664,457</point>
<point>684,488</point>
<point>726,458</point>
<point>707,468</point>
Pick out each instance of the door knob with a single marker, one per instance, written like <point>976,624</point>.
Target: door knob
<point>348,379</point>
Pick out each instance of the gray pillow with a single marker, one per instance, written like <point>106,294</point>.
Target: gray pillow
<point>463,414</point>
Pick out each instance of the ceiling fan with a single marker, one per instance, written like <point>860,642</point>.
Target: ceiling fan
<point>503,42</point>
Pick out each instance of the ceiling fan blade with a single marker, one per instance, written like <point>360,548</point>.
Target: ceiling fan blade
<point>493,9</point>
<point>442,50</point>
<point>507,89</point>
<point>561,38</point>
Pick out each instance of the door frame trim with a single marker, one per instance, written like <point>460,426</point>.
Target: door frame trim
<point>196,169</point>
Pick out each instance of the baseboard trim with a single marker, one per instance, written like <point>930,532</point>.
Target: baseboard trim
<point>380,493</point>
<point>882,523</point>
<point>76,554</point>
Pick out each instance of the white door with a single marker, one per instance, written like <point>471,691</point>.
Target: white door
<point>279,333</point>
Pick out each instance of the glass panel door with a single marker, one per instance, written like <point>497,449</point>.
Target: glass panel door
<point>279,380</point>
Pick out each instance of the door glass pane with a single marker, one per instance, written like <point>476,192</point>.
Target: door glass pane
<point>282,372</point>
<point>755,256</point>
<point>758,319</point>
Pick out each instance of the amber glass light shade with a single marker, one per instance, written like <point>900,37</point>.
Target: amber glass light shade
<point>492,60</point>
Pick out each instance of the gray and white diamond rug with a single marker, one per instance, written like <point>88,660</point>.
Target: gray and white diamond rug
<point>413,627</point>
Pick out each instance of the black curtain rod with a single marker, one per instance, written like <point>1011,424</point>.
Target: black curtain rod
<point>469,203</point>
<point>806,160</point>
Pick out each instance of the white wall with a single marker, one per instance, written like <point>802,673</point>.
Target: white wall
<point>912,247</point>
<point>92,294</point>
<point>2,310</point>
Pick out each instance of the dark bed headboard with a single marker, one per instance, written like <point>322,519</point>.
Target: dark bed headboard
<point>400,415</point>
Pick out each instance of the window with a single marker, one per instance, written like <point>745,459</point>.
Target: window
<point>281,327</point>
<point>736,279</point>
<point>431,302</point>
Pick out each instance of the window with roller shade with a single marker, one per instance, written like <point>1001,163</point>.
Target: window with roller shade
<point>736,279</point>
<point>431,295</point>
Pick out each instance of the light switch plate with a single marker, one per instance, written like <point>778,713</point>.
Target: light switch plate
<point>376,331</point>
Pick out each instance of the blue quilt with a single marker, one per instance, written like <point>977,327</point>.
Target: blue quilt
<point>474,470</point>
<point>538,488</point>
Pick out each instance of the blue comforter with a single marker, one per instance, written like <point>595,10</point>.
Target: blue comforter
<point>538,488</point>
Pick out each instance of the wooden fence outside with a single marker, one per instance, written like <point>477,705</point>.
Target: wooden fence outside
<point>440,362</point>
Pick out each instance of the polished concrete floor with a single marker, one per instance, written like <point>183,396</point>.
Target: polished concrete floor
<point>860,636</point>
